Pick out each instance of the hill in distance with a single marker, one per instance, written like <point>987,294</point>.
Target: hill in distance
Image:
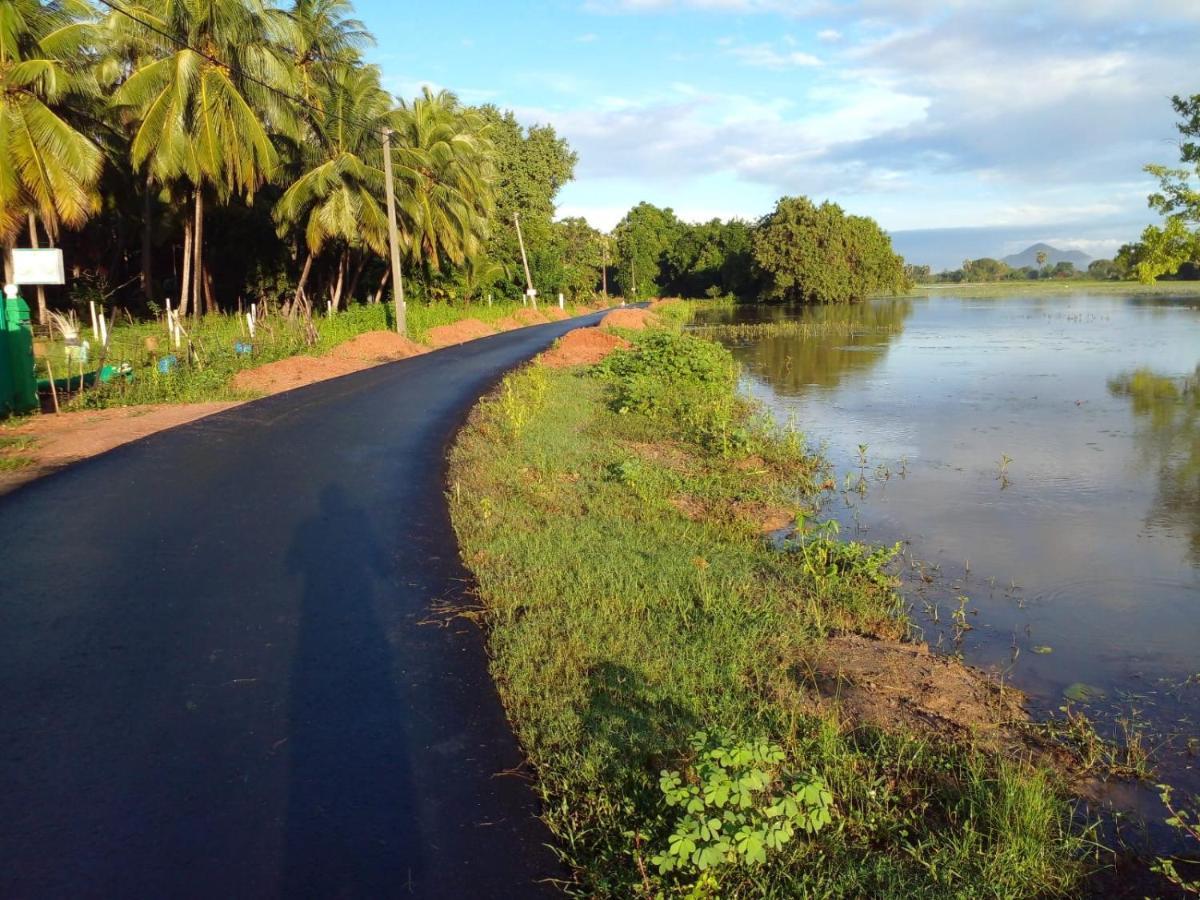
<point>1028,257</point>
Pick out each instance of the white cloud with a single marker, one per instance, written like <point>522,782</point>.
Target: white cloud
<point>767,57</point>
<point>829,35</point>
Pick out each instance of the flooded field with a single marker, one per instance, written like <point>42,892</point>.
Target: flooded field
<point>1040,459</point>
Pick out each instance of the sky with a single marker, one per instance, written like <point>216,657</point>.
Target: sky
<point>986,125</point>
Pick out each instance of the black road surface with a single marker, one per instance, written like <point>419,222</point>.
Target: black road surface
<point>222,673</point>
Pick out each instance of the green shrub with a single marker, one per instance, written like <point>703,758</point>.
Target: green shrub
<point>677,378</point>
<point>736,806</point>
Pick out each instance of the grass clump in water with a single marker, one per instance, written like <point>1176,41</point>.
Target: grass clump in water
<point>652,661</point>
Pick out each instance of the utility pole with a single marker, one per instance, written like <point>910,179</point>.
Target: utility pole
<point>530,292</point>
<point>604,269</point>
<point>394,233</point>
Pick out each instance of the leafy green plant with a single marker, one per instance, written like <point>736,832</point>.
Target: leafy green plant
<point>735,806</point>
<point>681,378</point>
<point>1186,821</point>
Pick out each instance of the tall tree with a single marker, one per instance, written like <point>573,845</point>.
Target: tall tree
<point>48,168</point>
<point>1163,250</point>
<point>206,102</point>
<point>818,254</point>
<point>531,166</point>
<point>336,197</point>
<point>443,164</point>
<point>642,237</point>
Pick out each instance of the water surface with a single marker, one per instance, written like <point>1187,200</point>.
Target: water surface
<point>1080,554</point>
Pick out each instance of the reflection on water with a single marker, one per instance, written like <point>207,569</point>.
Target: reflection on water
<point>1078,555</point>
<point>1167,411</point>
<point>793,365</point>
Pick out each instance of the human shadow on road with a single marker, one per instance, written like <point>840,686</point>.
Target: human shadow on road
<point>351,829</point>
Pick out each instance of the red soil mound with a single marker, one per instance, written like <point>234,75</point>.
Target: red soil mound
<point>285,374</point>
<point>554,314</point>
<point>377,346</point>
<point>633,319</point>
<point>349,356</point>
<point>464,330</point>
<point>582,347</point>
<point>530,317</point>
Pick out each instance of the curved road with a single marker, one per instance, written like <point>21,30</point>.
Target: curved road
<point>219,674</point>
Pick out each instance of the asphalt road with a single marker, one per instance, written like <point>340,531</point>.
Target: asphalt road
<point>220,672</point>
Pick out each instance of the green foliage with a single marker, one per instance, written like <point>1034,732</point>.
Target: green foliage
<point>675,376</point>
<point>642,237</point>
<point>48,166</point>
<point>622,621</point>
<point>1164,250</point>
<point>531,165</point>
<point>985,269</point>
<point>817,254</point>
<point>710,259</point>
<point>735,805</point>
<point>1186,821</point>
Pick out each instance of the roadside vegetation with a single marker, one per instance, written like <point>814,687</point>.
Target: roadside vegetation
<point>660,652</point>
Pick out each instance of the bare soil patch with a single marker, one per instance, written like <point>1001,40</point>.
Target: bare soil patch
<point>531,316</point>
<point>377,347</point>
<point>460,332</point>
<point>59,440</point>
<point>903,687</point>
<point>582,347</point>
<point>554,314</point>
<point>361,352</point>
<point>633,319</point>
<point>665,453</point>
<point>762,517</point>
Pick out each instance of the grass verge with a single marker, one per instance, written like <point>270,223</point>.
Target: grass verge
<point>653,647</point>
<point>221,347</point>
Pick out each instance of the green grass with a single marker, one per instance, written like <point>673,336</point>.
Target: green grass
<point>1055,287</point>
<point>619,627</point>
<point>206,375</point>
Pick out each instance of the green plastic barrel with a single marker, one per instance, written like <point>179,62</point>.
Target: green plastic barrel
<point>18,380</point>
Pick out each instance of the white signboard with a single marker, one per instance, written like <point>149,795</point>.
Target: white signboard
<point>38,267</point>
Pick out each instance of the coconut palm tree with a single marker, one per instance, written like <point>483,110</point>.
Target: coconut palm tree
<point>336,198</point>
<point>445,172</point>
<point>206,102</point>
<point>319,33</point>
<point>48,169</point>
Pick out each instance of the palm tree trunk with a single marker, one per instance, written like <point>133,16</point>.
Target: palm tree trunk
<point>8,264</point>
<point>335,293</point>
<point>198,248</point>
<point>358,270</point>
<point>210,302</point>
<point>43,315</point>
<point>303,279</point>
<point>387,276</point>
<point>148,240</point>
<point>185,283</point>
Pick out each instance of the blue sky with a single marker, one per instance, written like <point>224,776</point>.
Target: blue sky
<point>1026,121</point>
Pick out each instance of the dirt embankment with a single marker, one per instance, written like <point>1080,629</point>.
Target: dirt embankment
<point>581,347</point>
<point>361,352</point>
<point>632,319</point>
<point>520,319</point>
<point>460,332</point>
<point>57,441</point>
<point>903,687</point>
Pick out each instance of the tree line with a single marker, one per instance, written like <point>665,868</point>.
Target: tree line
<point>211,150</point>
<point>219,151</point>
<point>800,252</point>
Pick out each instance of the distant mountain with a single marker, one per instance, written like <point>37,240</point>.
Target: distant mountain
<point>1028,257</point>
